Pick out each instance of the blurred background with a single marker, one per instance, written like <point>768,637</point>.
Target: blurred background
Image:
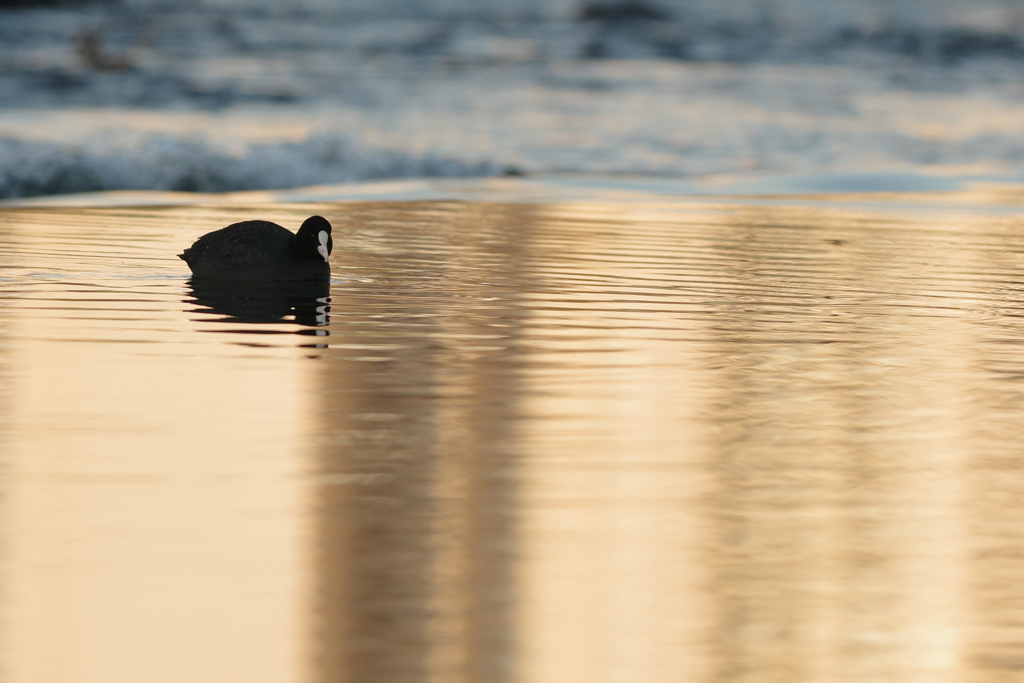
<point>217,95</point>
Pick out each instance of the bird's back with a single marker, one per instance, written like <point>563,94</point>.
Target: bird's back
<point>247,250</point>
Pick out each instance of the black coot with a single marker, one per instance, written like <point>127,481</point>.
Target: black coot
<point>261,251</point>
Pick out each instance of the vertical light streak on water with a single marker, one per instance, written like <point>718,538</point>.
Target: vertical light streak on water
<point>613,574</point>
<point>416,541</point>
<point>839,525</point>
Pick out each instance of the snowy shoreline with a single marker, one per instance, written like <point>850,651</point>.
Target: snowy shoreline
<point>137,96</point>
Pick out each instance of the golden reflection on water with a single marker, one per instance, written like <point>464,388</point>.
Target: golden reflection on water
<point>571,442</point>
<point>149,532</point>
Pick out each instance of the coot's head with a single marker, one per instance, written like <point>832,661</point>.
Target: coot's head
<point>314,238</point>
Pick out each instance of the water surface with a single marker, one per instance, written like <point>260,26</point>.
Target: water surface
<point>577,441</point>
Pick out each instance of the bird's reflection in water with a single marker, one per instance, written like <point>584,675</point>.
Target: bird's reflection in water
<point>302,303</point>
